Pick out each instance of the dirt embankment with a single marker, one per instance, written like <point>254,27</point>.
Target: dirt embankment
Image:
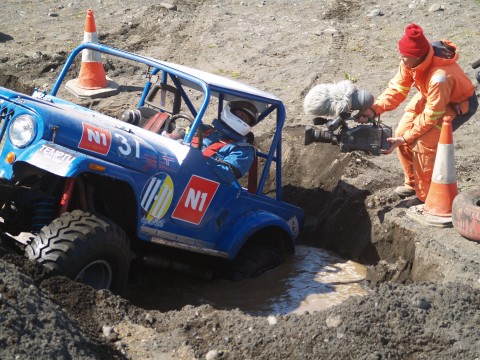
<point>432,307</point>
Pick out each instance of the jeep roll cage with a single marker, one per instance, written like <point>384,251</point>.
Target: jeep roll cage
<point>211,85</point>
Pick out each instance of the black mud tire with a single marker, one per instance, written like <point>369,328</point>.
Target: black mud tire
<point>466,214</point>
<point>253,260</point>
<point>86,248</point>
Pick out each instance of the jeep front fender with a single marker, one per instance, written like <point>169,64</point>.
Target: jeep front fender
<point>65,162</point>
<point>246,226</point>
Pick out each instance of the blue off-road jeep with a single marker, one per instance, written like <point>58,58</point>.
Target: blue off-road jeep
<point>93,190</point>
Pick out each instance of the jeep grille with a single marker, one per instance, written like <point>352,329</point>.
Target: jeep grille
<point>6,115</point>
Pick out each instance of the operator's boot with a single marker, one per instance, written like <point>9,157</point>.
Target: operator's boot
<point>413,202</point>
<point>404,191</point>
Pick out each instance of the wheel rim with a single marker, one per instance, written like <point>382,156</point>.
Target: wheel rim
<point>97,274</point>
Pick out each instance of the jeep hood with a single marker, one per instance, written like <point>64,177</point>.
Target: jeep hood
<point>101,136</point>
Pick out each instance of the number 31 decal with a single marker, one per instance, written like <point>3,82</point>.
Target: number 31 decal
<point>125,148</point>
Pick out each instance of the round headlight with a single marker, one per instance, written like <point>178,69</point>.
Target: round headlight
<point>22,130</point>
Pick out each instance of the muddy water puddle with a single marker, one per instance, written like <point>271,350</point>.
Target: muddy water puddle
<point>311,280</point>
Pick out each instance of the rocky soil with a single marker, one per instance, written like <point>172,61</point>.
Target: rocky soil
<point>424,298</point>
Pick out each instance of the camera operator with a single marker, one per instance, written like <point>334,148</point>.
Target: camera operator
<point>444,93</point>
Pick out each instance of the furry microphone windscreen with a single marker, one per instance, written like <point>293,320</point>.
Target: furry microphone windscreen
<point>329,99</point>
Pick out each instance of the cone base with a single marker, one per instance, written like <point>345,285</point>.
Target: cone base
<point>92,76</point>
<point>419,214</point>
<point>81,93</point>
<point>440,199</point>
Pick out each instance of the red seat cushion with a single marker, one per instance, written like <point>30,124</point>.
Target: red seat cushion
<point>156,122</point>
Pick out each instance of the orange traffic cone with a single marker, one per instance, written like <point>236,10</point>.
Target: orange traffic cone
<point>92,74</point>
<point>92,81</point>
<point>443,188</point>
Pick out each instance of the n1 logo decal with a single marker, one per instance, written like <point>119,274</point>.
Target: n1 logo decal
<point>95,139</point>
<point>157,196</point>
<point>195,200</point>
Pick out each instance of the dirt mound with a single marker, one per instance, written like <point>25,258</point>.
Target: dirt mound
<point>24,310</point>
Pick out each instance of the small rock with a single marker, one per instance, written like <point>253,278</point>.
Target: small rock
<point>120,344</point>
<point>214,354</point>
<point>107,330</point>
<point>113,337</point>
<point>168,6</point>
<point>271,320</point>
<point>52,14</point>
<point>333,321</point>
<point>374,356</point>
<point>436,7</point>
<point>375,12</point>
<point>423,304</point>
<point>58,58</point>
<point>149,318</point>
<point>331,31</point>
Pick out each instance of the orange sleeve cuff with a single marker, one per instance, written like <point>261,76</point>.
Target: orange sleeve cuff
<point>407,138</point>
<point>378,110</point>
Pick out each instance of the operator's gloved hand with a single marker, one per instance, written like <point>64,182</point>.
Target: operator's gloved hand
<point>364,116</point>
<point>396,142</point>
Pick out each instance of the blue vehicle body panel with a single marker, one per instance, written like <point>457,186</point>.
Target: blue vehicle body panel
<point>179,202</point>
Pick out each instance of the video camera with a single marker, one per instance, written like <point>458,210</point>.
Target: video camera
<point>371,138</point>
<point>338,101</point>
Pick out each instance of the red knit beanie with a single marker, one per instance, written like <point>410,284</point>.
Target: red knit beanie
<point>413,43</point>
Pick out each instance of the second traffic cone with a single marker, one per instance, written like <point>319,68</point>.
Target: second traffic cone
<point>92,81</point>
<point>443,188</point>
<point>92,74</point>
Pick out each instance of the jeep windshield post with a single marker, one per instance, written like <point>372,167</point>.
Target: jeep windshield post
<point>93,190</point>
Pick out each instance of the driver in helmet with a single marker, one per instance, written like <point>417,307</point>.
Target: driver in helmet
<point>227,142</point>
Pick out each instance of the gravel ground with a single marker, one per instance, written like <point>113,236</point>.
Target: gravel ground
<point>424,300</point>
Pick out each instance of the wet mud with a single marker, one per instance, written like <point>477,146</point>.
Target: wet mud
<point>310,280</point>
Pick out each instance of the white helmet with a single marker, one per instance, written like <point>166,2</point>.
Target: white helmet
<point>234,122</point>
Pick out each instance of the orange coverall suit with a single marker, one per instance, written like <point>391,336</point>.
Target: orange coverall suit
<point>443,92</point>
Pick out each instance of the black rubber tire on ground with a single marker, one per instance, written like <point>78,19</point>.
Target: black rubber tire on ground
<point>466,214</point>
<point>253,260</point>
<point>85,248</point>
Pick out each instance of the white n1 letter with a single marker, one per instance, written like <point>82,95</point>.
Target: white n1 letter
<point>95,136</point>
<point>193,197</point>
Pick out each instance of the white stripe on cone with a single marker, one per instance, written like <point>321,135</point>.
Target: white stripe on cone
<point>90,55</point>
<point>444,168</point>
